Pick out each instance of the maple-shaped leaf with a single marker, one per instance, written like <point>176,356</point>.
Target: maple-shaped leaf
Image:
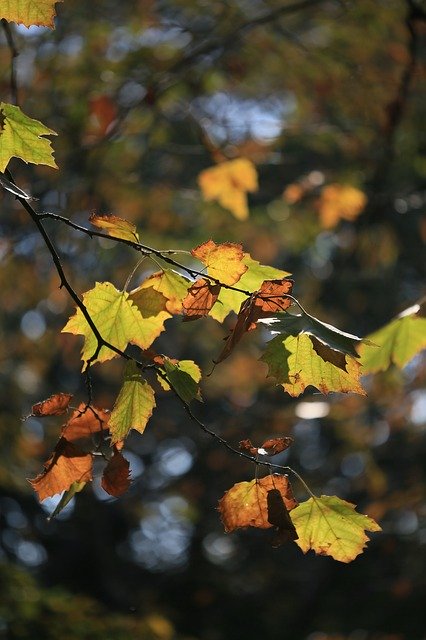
<point>397,342</point>
<point>67,464</point>
<point>228,183</point>
<point>21,137</point>
<point>29,12</point>
<point>152,306</point>
<point>340,202</point>
<point>292,360</point>
<point>67,496</point>
<point>85,422</point>
<point>250,281</point>
<point>116,475</point>
<point>331,526</point>
<point>200,298</point>
<point>172,285</point>
<point>223,261</point>
<point>133,406</point>
<point>184,376</point>
<point>246,503</point>
<point>118,320</point>
<point>116,227</point>
<point>271,297</point>
<point>53,406</point>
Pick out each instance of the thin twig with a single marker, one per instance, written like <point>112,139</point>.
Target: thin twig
<point>13,55</point>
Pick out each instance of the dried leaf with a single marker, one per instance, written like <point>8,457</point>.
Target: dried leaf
<point>84,423</point>
<point>200,299</point>
<point>279,517</point>
<point>53,406</point>
<point>275,445</point>
<point>115,227</point>
<point>116,476</point>
<point>224,262</point>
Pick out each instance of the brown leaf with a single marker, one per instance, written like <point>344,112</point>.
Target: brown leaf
<point>84,422</point>
<point>278,516</point>
<point>116,476</point>
<point>53,406</point>
<point>67,464</point>
<point>200,298</point>
<point>328,354</point>
<point>246,503</point>
<point>246,445</point>
<point>275,445</point>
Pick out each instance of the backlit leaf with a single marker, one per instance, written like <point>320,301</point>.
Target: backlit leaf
<point>67,464</point>
<point>21,137</point>
<point>397,342</point>
<point>116,227</point>
<point>116,476</point>
<point>68,495</point>
<point>184,376</point>
<point>223,261</point>
<point>134,405</point>
<point>29,12</point>
<point>331,526</point>
<point>84,423</point>
<point>228,183</point>
<point>200,298</point>
<point>246,503</point>
<point>152,307</point>
<point>172,285</point>
<point>340,202</point>
<point>53,406</point>
<point>294,363</point>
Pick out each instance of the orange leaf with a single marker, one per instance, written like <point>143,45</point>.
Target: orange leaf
<point>116,476</point>
<point>84,422</point>
<point>53,406</point>
<point>275,445</point>
<point>340,202</point>
<point>223,261</point>
<point>246,503</point>
<point>67,464</point>
<point>228,183</point>
<point>200,299</point>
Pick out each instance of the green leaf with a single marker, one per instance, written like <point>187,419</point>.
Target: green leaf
<point>133,407</point>
<point>76,487</point>
<point>29,12</point>
<point>331,526</point>
<point>295,364</point>
<point>397,342</point>
<point>184,377</point>
<point>21,138</point>
<point>292,325</point>
<point>172,285</point>
<point>118,320</point>
<point>250,281</point>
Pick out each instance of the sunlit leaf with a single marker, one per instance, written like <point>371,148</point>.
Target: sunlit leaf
<point>184,376</point>
<point>340,202</point>
<point>397,342</point>
<point>85,422</point>
<point>294,363</point>
<point>331,526</point>
<point>172,285</point>
<point>68,495</point>
<point>67,464</point>
<point>246,503</point>
<point>116,227</point>
<point>29,12</point>
<point>228,183</point>
<point>116,475</point>
<point>200,298</point>
<point>152,307</point>
<point>223,261</point>
<point>53,406</point>
<point>133,406</point>
<point>21,137</point>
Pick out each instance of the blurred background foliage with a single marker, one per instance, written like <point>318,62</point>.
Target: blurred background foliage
<point>144,95</point>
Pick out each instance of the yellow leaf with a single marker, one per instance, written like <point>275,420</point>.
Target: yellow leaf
<point>340,202</point>
<point>21,138</point>
<point>172,285</point>
<point>29,12</point>
<point>331,527</point>
<point>152,307</point>
<point>228,183</point>
<point>223,261</point>
<point>116,227</point>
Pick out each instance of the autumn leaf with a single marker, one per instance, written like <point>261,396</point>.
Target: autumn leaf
<point>224,262</point>
<point>246,503</point>
<point>116,476</point>
<point>184,376</point>
<point>200,298</point>
<point>67,496</point>
<point>53,406</point>
<point>118,320</point>
<point>67,464</point>
<point>172,285</point>
<point>340,202</point>
<point>228,183</point>
<point>397,342</point>
<point>152,306</point>
<point>270,447</point>
<point>331,526</point>
<point>294,363</point>
<point>250,281</point>
<point>115,227</point>
<point>29,12</point>
<point>21,137</point>
<point>133,406</point>
<point>84,423</point>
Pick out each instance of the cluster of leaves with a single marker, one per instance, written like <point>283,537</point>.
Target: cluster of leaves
<point>303,352</point>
